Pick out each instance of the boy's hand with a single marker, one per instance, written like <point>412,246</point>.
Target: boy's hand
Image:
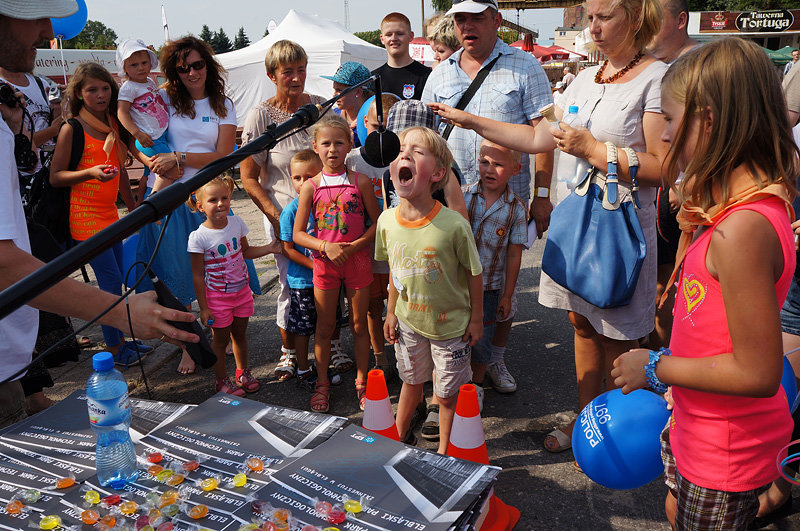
<point>504,307</point>
<point>474,332</point>
<point>628,372</point>
<point>144,139</point>
<point>390,328</point>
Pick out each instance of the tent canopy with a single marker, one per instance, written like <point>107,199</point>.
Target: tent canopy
<point>780,57</point>
<point>326,43</point>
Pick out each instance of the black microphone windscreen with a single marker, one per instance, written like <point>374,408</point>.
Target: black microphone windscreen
<point>381,148</point>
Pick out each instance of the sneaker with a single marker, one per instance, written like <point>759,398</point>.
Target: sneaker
<point>502,381</point>
<point>227,386</point>
<point>479,390</point>
<point>144,349</point>
<point>430,428</point>
<point>127,356</point>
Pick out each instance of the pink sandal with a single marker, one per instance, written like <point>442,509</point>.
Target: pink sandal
<point>248,382</point>
<point>227,386</point>
<point>320,399</point>
<point>361,392</point>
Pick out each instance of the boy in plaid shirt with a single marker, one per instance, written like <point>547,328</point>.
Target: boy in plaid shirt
<point>498,220</point>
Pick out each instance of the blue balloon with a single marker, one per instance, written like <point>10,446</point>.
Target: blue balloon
<point>69,27</point>
<point>616,438</point>
<point>789,382</point>
<point>129,257</point>
<point>361,129</point>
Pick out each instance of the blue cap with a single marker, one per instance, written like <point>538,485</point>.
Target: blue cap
<point>573,109</point>
<point>103,361</point>
<point>350,73</point>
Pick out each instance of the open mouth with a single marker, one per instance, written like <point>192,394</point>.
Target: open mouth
<point>404,175</point>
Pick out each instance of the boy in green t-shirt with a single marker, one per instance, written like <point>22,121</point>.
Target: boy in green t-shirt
<point>435,309</point>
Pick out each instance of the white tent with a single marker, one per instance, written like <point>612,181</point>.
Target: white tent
<point>327,44</point>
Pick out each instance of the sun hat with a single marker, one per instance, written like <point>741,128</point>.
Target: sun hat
<point>472,6</point>
<point>130,47</point>
<point>36,9</point>
<point>350,73</point>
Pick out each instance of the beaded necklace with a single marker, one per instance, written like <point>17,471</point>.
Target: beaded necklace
<point>598,77</point>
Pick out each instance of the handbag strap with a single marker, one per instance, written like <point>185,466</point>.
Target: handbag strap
<point>612,178</point>
<point>633,167</point>
<point>470,92</point>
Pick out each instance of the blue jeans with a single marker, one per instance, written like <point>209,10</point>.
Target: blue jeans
<point>107,269</point>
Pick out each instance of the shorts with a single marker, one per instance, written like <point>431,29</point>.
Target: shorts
<point>356,273</point>
<point>302,318</point>
<point>790,313</point>
<point>379,289</point>
<point>417,357</point>
<point>225,306</point>
<point>669,232</point>
<point>702,508</point>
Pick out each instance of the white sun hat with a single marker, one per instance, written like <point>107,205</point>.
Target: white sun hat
<point>36,9</point>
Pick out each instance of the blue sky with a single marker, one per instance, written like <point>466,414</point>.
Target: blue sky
<point>142,18</point>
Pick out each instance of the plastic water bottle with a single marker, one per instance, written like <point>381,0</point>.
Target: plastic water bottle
<point>571,169</point>
<point>110,418</point>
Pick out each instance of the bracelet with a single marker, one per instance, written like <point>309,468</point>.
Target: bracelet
<point>177,160</point>
<point>650,370</point>
<point>322,252</point>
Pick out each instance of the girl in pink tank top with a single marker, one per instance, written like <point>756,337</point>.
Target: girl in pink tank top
<point>339,200</point>
<point>730,135</point>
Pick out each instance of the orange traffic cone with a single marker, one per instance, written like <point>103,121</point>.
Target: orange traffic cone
<point>468,442</point>
<point>378,416</point>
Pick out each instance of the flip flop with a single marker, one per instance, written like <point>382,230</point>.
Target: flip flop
<point>563,441</point>
<point>84,341</point>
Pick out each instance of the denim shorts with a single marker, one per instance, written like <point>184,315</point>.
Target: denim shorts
<point>790,313</point>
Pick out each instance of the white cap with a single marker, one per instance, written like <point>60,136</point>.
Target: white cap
<point>130,47</point>
<point>472,6</point>
<point>559,84</point>
<point>36,9</point>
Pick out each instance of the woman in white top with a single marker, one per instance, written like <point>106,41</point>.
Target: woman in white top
<point>202,129</point>
<point>621,102</point>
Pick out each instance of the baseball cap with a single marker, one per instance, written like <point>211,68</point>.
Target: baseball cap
<point>350,73</point>
<point>130,47</point>
<point>472,6</point>
<point>410,113</point>
<point>34,10</point>
<point>559,84</point>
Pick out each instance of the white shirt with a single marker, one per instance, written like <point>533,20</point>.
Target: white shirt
<point>38,107</point>
<point>148,110</point>
<point>18,330</point>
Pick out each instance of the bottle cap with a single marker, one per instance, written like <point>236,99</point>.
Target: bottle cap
<point>102,361</point>
<point>573,109</point>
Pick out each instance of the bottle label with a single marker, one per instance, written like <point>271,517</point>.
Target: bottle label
<point>108,412</point>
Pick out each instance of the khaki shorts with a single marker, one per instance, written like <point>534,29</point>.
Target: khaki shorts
<point>417,357</point>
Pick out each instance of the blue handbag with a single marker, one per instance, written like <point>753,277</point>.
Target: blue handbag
<point>595,244</point>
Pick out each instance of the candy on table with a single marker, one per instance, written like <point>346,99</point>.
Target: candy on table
<point>175,479</point>
<point>92,497</point>
<point>322,507</point>
<point>239,480</point>
<point>14,507</point>
<point>331,529</point>
<point>90,517</point>
<point>111,499</point>
<point>198,511</point>
<point>260,506</point>
<point>49,522</point>
<point>208,484</point>
<point>166,526</point>
<point>169,511</point>
<point>147,527</point>
<point>252,526</point>
<point>268,526</point>
<point>164,474</point>
<point>154,457</point>
<point>281,515</point>
<point>190,465</point>
<point>65,482</point>
<point>128,507</point>
<point>310,527</point>
<point>152,498</point>
<point>29,495</point>
<point>109,520</point>
<point>352,506</point>
<point>281,525</point>
<point>255,464</point>
<point>365,501</point>
<point>336,515</point>
<point>142,521</point>
<point>153,515</point>
<point>154,469</point>
<point>168,498</point>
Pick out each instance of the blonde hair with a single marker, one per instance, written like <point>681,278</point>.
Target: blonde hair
<point>516,156</point>
<point>438,147</point>
<point>735,81</point>
<point>284,53</point>
<point>387,100</point>
<point>220,180</point>
<point>444,32</point>
<point>305,155</point>
<point>334,121</point>
<point>644,17</point>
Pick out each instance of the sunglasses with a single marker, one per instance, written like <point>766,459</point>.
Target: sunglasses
<point>196,66</point>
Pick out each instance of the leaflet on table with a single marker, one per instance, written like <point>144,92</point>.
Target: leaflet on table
<point>228,430</point>
<point>398,487</point>
<point>54,461</point>
<point>17,478</point>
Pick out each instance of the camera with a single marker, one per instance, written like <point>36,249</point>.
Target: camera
<point>8,96</point>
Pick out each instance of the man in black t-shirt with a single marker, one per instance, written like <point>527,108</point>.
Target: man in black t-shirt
<point>400,75</point>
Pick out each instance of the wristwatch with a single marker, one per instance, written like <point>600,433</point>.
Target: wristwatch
<point>541,191</point>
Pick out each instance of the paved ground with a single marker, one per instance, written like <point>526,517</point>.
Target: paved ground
<point>547,489</point>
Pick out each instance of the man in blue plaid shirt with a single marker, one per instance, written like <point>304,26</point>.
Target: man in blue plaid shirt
<point>514,90</point>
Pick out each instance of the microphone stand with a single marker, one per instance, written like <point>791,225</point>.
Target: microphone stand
<point>152,209</point>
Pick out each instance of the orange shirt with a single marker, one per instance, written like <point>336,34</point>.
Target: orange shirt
<point>92,204</point>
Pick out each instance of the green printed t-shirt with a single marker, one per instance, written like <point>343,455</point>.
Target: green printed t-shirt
<point>429,261</point>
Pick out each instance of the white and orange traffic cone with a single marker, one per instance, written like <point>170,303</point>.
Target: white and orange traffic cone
<point>378,416</point>
<point>467,441</point>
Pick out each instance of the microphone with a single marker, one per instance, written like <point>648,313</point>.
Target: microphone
<point>382,146</point>
<point>201,352</point>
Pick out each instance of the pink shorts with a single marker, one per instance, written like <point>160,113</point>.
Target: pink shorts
<point>225,306</point>
<point>356,273</point>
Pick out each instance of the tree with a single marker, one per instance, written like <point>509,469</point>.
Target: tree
<point>94,36</point>
<point>266,31</point>
<point>206,34</point>
<point>220,42</point>
<point>372,37</point>
<point>442,6</point>
<point>241,40</point>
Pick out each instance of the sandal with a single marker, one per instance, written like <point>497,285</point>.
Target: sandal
<point>84,341</point>
<point>227,386</point>
<point>320,399</point>
<point>341,362</point>
<point>286,366</point>
<point>247,381</point>
<point>361,392</point>
<point>430,428</point>
<point>557,441</point>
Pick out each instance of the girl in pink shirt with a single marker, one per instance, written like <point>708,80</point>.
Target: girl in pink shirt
<point>730,135</point>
